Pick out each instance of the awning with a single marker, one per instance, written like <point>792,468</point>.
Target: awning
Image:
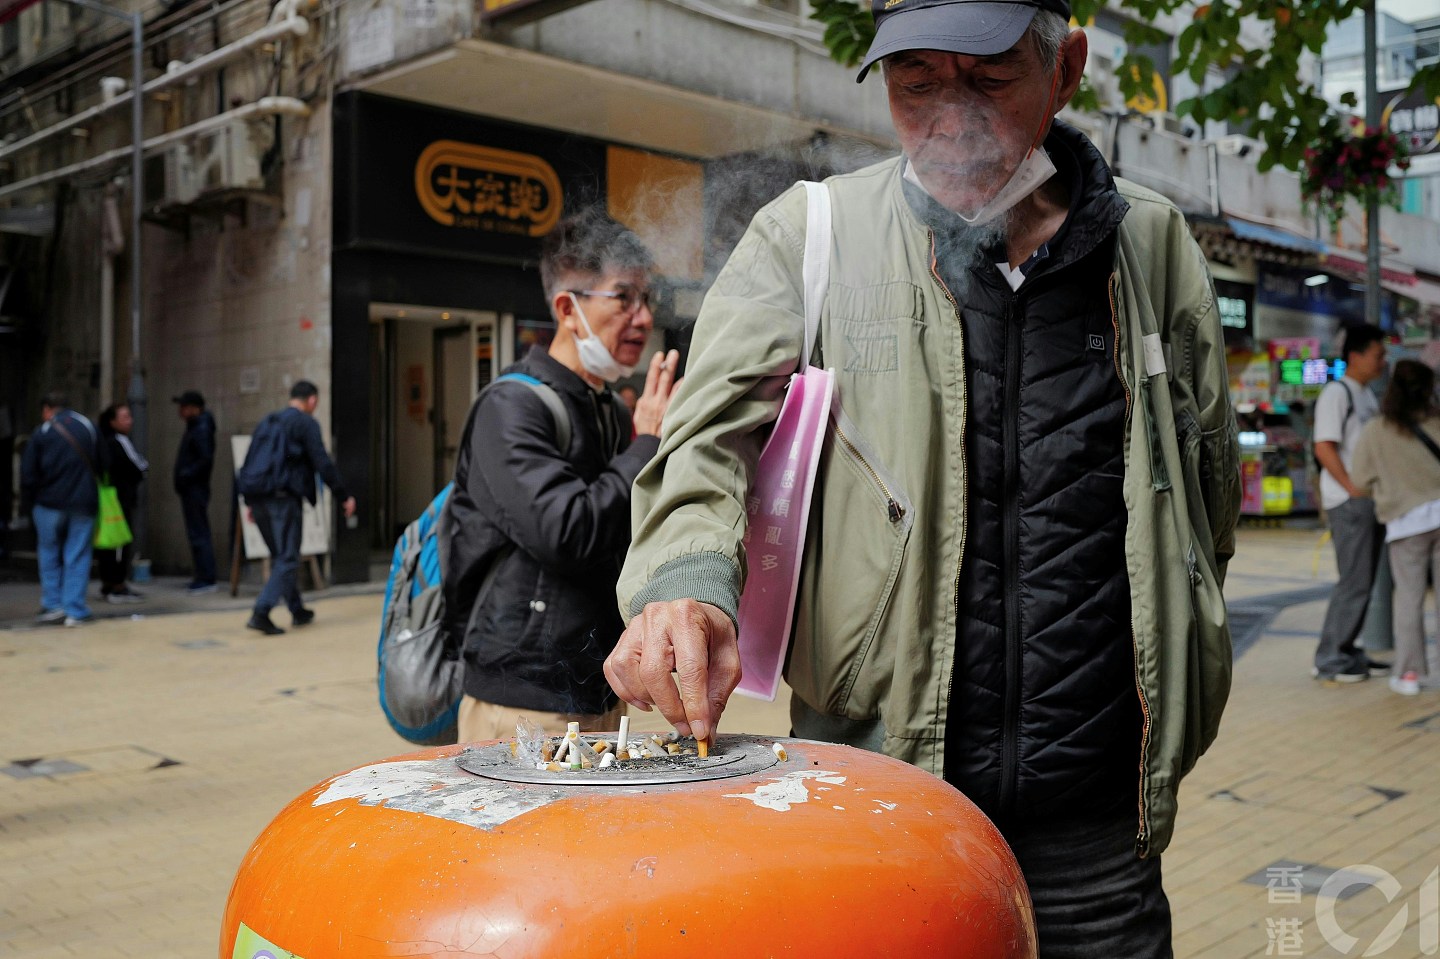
<point>1274,236</point>
<point>1424,292</point>
<point>1353,265</point>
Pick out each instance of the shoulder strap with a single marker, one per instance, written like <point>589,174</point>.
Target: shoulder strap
<point>1424,438</point>
<point>816,268</point>
<point>553,403</point>
<point>1349,408</point>
<point>55,422</point>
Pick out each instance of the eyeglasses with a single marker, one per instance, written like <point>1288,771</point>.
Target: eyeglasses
<point>629,299</point>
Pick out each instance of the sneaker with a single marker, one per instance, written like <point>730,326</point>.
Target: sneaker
<point>48,616</point>
<point>303,618</point>
<point>1377,668</point>
<point>74,621</point>
<point>123,595</point>
<point>1407,685</point>
<point>1354,674</point>
<point>197,589</point>
<point>263,624</point>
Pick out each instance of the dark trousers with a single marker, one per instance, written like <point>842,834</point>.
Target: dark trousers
<point>115,563</point>
<point>1094,898</point>
<point>195,504</point>
<point>1359,541</point>
<point>279,520</point>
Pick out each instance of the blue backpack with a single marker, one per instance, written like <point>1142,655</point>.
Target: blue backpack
<point>420,677</point>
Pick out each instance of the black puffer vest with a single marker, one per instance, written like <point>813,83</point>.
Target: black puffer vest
<point>1044,716</point>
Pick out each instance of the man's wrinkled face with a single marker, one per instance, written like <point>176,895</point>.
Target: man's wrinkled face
<point>965,122</point>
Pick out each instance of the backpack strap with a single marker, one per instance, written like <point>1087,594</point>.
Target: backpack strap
<point>1424,438</point>
<point>558,414</point>
<point>59,428</point>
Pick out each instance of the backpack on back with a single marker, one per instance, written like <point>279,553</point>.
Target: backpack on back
<point>420,677</point>
<point>263,473</point>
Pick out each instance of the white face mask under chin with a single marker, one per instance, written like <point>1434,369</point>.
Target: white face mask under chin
<point>594,356</point>
<point>1034,170</point>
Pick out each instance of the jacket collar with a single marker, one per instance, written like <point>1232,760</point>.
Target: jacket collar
<point>545,367</point>
<point>1096,207</point>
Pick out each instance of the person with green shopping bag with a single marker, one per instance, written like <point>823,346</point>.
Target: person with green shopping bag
<point>114,542</point>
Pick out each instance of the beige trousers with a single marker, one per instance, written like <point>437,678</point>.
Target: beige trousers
<point>480,720</point>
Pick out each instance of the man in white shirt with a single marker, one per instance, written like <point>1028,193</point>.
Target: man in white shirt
<point>1343,408</point>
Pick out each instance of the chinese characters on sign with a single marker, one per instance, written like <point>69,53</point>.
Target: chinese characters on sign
<point>482,188</point>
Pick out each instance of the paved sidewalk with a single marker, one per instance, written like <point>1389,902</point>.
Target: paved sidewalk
<point>165,744</point>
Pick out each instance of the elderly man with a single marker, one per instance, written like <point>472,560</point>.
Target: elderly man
<point>1024,510</point>
<point>536,527</point>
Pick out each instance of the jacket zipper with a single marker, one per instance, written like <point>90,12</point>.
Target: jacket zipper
<point>893,509</point>
<point>1142,833</point>
<point>965,493</point>
<point>1010,520</point>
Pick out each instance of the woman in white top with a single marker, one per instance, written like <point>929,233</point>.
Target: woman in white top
<point>1402,473</point>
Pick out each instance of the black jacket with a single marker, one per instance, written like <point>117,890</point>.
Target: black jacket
<point>305,456</point>
<point>557,523</point>
<point>53,473</point>
<point>124,472</point>
<point>197,453</point>
<point>1044,717</point>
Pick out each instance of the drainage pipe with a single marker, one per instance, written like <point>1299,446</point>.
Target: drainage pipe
<point>265,106</point>
<point>285,22</point>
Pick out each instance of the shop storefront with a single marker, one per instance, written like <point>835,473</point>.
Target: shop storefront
<point>438,221</point>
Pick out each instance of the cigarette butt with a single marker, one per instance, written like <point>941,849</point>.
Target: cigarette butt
<point>553,767</point>
<point>514,748</point>
<point>607,760</point>
<point>562,750</point>
<point>780,752</point>
<point>632,754</point>
<point>572,730</point>
<point>672,749</point>
<point>672,737</point>
<point>703,746</point>
<point>547,751</point>
<point>602,747</point>
<point>623,739</point>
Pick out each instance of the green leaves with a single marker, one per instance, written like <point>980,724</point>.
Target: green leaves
<point>849,29</point>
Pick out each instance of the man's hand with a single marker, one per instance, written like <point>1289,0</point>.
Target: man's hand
<point>348,506</point>
<point>660,384</point>
<point>694,641</point>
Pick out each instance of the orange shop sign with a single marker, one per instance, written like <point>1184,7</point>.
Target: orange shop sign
<point>472,187</point>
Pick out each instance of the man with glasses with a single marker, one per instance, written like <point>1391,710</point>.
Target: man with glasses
<point>535,530</point>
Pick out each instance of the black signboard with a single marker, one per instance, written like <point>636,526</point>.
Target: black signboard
<point>1236,302</point>
<point>1415,118</point>
<point>416,178</point>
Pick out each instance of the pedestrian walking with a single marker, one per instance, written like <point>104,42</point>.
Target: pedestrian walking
<point>536,527</point>
<point>1027,500</point>
<point>58,487</point>
<point>1344,407</point>
<point>126,471</point>
<point>1397,461</point>
<point>194,464</point>
<point>286,452</point>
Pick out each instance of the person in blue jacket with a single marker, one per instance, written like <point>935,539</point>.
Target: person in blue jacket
<point>58,487</point>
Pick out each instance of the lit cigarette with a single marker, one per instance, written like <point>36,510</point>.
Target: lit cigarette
<point>607,760</point>
<point>780,752</point>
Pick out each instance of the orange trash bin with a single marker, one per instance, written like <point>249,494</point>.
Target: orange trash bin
<point>461,852</point>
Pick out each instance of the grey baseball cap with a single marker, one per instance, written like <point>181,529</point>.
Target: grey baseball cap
<point>977,28</point>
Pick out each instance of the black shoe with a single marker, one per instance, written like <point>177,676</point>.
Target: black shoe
<point>264,625</point>
<point>1377,668</point>
<point>303,617</point>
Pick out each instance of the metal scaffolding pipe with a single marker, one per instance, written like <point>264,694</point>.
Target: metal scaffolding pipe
<point>265,106</point>
<point>292,25</point>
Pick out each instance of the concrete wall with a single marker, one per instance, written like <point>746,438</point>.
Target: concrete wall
<point>238,307</point>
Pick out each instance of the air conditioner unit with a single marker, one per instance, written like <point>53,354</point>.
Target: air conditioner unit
<point>227,158</point>
<point>170,177</point>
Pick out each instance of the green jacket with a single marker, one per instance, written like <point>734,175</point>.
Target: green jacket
<point>874,639</point>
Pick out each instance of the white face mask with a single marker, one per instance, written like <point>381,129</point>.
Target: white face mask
<point>1034,170</point>
<point>593,355</point>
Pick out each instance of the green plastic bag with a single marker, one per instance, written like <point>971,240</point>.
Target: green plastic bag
<point>111,530</point>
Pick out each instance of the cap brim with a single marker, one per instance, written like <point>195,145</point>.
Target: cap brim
<point>973,27</point>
